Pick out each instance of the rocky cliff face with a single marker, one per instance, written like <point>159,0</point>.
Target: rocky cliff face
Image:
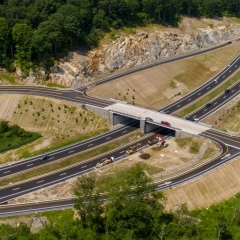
<point>137,49</point>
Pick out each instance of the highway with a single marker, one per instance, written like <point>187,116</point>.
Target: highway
<point>68,151</point>
<point>81,96</point>
<point>205,88</point>
<point>11,191</point>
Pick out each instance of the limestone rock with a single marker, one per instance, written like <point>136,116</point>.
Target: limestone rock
<point>138,49</point>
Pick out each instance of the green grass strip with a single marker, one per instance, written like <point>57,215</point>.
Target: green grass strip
<point>209,97</point>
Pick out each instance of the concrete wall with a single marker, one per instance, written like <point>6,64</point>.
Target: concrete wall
<point>180,134</point>
<point>101,112</point>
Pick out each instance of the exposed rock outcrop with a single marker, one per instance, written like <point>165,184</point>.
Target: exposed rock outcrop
<point>137,49</point>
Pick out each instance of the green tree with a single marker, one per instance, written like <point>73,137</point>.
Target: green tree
<point>4,126</point>
<point>88,204</point>
<point>22,36</point>
<point>4,42</point>
<point>133,206</point>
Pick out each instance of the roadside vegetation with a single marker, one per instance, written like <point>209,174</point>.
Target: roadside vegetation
<point>33,34</point>
<point>193,144</point>
<point>12,136</point>
<point>142,216</point>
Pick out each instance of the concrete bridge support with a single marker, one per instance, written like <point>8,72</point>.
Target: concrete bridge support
<point>146,127</point>
<point>179,134</point>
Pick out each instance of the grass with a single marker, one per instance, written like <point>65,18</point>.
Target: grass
<point>209,96</point>
<point>72,160</point>
<point>6,76</point>
<point>150,169</point>
<point>13,142</point>
<point>210,152</point>
<point>55,85</point>
<point>193,144</point>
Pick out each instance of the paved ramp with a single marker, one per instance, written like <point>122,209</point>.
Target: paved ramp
<point>141,114</point>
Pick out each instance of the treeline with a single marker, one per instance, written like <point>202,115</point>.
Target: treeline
<point>32,32</point>
<point>133,211</point>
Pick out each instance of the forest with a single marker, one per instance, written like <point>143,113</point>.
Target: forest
<point>35,32</point>
<point>133,210</point>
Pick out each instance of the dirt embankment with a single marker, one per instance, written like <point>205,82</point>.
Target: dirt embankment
<point>59,122</point>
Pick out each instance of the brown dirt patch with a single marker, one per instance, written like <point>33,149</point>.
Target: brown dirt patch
<point>145,156</point>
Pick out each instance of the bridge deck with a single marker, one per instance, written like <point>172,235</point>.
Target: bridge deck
<point>141,114</point>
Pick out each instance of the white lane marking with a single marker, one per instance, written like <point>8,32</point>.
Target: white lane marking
<point>108,138</point>
<point>62,174</point>
<point>84,166</point>
<point>199,93</point>
<point>16,188</point>
<point>40,181</point>
<point>208,87</point>
<point>205,110</point>
<point>51,182</point>
<point>227,155</point>
<point>224,97</point>
<point>51,158</point>
<point>223,76</point>
<point>215,103</point>
<point>71,151</point>
<point>29,165</point>
<point>90,144</point>
<point>189,99</point>
<point>124,131</point>
<point>6,171</point>
<point>230,70</point>
<point>178,105</point>
<point>122,152</point>
<point>233,90</point>
<point>235,65</point>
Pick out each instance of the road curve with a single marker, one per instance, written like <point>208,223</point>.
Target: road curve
<point>230,150</point>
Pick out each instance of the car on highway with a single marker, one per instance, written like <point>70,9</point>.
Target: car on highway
<point>149,119</point>
<point>216,79</point>
<point>208,104</point>
<point>166,123</point>
<point>45,157</point>
<point>227,90</point>
<point>195,119</point>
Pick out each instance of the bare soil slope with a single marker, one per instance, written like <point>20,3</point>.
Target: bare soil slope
<point>58,121</point>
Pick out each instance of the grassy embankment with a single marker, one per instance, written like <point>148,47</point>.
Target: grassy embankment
<point>60,123</point>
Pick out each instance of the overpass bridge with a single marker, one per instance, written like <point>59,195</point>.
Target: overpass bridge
<point>149,119</point>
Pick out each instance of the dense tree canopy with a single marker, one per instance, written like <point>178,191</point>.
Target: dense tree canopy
<point>50,27</point>
<point>133,211</point>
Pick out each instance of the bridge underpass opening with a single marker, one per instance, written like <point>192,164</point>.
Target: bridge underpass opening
<point>151,127</point>
<point>121,119</point>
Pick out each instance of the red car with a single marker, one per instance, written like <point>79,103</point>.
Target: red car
<point>166,123</point>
